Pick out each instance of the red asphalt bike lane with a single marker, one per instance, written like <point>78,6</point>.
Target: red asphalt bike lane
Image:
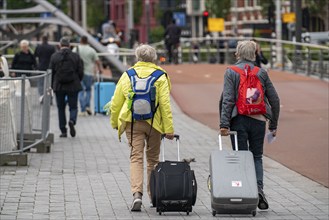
<point>302,141</point>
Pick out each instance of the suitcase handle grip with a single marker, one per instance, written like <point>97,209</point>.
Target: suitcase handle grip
<point>176,136</point>
<point>235,140</point>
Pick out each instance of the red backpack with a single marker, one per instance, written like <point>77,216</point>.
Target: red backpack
<point>251,94</point>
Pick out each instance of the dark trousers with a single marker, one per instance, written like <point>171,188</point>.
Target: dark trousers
<point>172,52</point>
<point>63,97</point>
<point>251,134</point>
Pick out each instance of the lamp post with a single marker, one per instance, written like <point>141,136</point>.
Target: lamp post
<point>59,27</point>
<point>147,17</point>
<point>278,31</point>
<point>84,14</point>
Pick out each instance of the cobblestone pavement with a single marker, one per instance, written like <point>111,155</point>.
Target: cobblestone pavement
<point>87,177</point>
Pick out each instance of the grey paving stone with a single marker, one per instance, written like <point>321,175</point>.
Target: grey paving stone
<point>87,177</point>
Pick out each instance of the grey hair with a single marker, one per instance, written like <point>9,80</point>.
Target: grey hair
<point>24,43</point>
<point>146,53</point>
<point>245,50</point>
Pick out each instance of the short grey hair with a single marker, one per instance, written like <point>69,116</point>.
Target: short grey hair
<point>146,53</point>
<point>245,50</point>
<point>24,43</point>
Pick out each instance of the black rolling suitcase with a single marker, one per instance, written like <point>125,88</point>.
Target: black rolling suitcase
<point>173,185</point>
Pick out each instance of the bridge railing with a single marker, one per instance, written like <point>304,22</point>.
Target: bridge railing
<point>309,59</point>
<point>25,99</point>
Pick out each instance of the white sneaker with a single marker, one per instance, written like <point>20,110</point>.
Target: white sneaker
<point>82,114</point>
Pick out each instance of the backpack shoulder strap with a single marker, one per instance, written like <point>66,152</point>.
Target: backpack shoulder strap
<point>255,70</point>
<point>236,69</point>
<point>131,72</point>
<point>157,73</point>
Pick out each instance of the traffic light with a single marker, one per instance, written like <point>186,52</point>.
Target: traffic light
<point>205,16</point>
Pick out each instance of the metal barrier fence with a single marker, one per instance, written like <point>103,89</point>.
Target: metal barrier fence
<point>24,115</point>
<point>296,57</point>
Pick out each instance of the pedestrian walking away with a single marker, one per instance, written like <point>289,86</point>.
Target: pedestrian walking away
<point>43,53</point>
<point>172,39</point>
<point>67,69</point>
<point>24,59</point>
<point>90,58</point>
<point>141,108</point>
<point>235,114</point>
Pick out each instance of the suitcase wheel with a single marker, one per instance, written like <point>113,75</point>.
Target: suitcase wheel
<point>160,213</point>
<point>254,213</point>
<point>187,213</point>
<point>214,213</point>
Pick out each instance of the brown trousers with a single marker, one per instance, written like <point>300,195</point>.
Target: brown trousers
<point>142,133</point>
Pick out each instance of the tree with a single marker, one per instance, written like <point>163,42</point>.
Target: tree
<point>95,15</point>
<point>218,9</point>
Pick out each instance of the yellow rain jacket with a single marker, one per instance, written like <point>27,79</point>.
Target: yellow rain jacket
<point>120,113</point>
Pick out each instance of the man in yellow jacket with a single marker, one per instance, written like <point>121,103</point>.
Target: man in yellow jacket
<point>149,130</point>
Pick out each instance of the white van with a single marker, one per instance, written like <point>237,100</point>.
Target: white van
<point>316,37</point>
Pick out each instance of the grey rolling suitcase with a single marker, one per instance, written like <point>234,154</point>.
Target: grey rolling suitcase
<point>232,181</point>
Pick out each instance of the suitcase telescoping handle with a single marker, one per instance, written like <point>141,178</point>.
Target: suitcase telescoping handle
<point>235,140</point>
<point>176,136</point>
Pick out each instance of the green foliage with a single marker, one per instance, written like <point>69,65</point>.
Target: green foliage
<point>21,4</point>
<point>138,10</point>
<point>218,9</point>
<point>316,6</point>
<point>157,33</point>
<point>95,14</point>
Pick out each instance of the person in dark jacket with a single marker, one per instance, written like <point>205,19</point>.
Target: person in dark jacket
<point>24,59</point>
<point>172,39</point>
<point>67,73</point>
<point>250,128</point>
<point>43,52</point>
<point>259,56</point>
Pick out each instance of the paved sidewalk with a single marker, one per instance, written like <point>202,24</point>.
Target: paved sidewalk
<point>87,177</point>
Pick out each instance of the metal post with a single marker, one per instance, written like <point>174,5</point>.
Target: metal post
<point>21,135</point>
<point>130,20</point>
<point>321,69</point>
<point>147,17</point>
<point>309,60</point>
<point>278,31</point>
<point>294,60</point>
<point>283,59</point>
<point>298,11</point>
<point>271,55</point>
<point>218,52</point>
<point>59,27</point>
<point>84,14</point>
<point>46,106</point>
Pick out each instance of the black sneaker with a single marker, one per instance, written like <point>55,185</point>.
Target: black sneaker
<point>63,135</point>
<point>137,202</point>
<point>262,204</point>
<point>72,129</point>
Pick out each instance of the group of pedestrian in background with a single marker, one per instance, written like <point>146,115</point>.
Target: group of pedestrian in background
<point>79,64</point>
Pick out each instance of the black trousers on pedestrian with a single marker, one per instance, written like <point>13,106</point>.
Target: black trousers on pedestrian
<point>251,134</point>
<point>63,97</point>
